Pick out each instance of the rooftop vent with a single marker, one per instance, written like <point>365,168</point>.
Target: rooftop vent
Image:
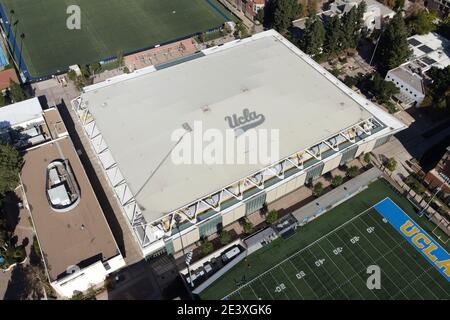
<point>63,193</point>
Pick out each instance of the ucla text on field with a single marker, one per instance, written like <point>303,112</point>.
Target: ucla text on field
<point>416,236</point>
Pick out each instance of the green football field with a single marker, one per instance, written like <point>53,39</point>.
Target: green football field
<point>107,28</point>
<point>328,259</point>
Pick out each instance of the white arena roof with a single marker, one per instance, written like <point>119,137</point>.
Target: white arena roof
<point>137,113</point>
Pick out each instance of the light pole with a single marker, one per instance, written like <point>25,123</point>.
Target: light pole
<point>189,257</point>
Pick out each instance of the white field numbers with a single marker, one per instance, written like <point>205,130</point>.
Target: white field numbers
<point>354,240</point>
<point>280,287</point>
<point>319,262</point>
<point>300,275</point>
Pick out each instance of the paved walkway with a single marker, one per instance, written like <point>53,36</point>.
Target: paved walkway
<point>337,195</point>
<point>247,22</point>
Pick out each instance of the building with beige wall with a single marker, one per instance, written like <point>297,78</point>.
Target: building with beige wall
<point>321,124</point>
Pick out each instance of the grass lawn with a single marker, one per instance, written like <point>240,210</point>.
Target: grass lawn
<point>281,249</point>
<point>107,28</point>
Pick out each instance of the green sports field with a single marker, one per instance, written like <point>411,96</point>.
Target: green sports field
<point>107,27</point>
<point>328,259</point>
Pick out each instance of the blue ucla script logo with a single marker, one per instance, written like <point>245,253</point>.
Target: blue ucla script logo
<point>416,236</point>
<point>245,122</point>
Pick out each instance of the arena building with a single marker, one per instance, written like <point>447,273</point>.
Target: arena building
<point>129,120</point>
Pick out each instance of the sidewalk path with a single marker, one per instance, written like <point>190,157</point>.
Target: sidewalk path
<point>337,195</point>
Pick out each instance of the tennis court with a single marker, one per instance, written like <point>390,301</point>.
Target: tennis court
<point>107,28</point>
<point>334,264</point>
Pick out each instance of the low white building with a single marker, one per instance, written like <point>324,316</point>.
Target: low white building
<point>374,17</point>
<point>430,50</point>
<point>77,246</point>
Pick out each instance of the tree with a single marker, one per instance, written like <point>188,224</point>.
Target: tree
<point>393,48</point>
<point>398,5</point>
<point>284,11</point>
<point>383,90</point>
<point>3,101</point>
<point>207,247</point>
<point>260,15</point>
<point>422,22</point>
<point>272,216</point>
<point>318,189</point>
<point>351,25</point>
<point>439,89</point>
<point>313,36</point>
<point>352,171</point>
<point>332,44</point>
<point>367,158</point>
<point>225,237</point>
<point>337,181</point>
<point>10,165</point>
<point>248,227</point>
<point>390,164</point>
<point>16,92</point>
<point>95,68</point>
<point>444,28</point>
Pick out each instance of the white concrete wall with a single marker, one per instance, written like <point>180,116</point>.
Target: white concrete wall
<point>405,88</point>
<point>332,163</point>
<point>285,188</point>
<point>86,278</point>
<point>188,238</point>
<point>233,215</point>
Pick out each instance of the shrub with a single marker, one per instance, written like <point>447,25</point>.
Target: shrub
<point>367,158</point>
<point>352,171</point>
<point>337,181</point>
<point>318,189</point>
<point>272,216</point>
<point>391,164</point>
<point>225,237</point>
<point>248,227</point>
<point>207,247</point>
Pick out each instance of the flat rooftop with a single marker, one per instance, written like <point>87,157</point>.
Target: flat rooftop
<point>77,237</point>
<point>20,112</point>
<point>137,114</point>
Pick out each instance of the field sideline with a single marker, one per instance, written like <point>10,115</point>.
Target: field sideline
<point>327,259</point>
<point>107,28</point>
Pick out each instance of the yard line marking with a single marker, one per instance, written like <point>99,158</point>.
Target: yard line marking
<point>309,245</point>
<point>256,296</point>
<point>418,278</point>
<point>304,279</point>
<point>262,282</point>
<point>332,278</point>
<point>388,261</point>
<point>345,277</point>
<point>370,259</point>
<point>355,255</point>
<point>321,283</point>
<point>356,273</point>
<point>278,283</point>
<point>407,254</point>
<point>282,270</point>
<point>379,258</point>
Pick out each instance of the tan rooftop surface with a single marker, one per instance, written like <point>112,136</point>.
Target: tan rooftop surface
<point>63,240</point>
